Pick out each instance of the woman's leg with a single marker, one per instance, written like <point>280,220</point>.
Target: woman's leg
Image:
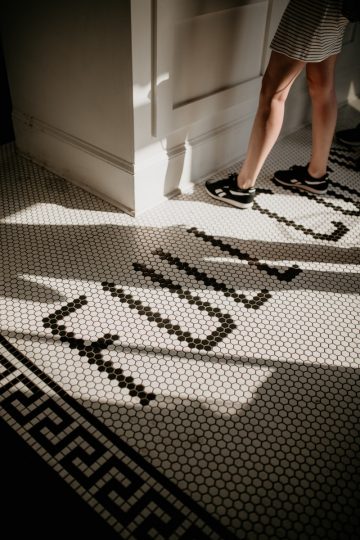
<point>320,77</point>
<point>278,78</point>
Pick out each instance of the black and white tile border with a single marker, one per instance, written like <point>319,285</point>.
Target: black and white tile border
<point>131,495</point>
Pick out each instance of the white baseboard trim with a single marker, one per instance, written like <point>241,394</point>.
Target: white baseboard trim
<point>89,167</point>
<point>39,125</point>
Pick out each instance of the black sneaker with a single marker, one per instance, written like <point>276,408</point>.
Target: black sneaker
<point>299,178</point>
<point>226,190</point>
<point>349,137</point>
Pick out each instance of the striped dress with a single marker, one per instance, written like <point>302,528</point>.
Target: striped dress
<point>310,30</point>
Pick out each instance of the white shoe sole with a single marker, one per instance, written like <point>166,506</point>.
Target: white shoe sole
<point>301,187</point>
<point>230,201</point>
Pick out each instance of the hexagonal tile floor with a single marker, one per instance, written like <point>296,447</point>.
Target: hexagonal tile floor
<point>193,372</point>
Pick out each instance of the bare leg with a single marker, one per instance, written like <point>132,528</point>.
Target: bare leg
<point>320,77</point>
<point>278,78</point>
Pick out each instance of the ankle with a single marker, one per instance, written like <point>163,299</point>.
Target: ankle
<point>245,183</point>
<point>316,172</point>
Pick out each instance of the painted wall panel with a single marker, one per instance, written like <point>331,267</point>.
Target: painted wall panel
<point>207,56</point>
<point>216,51</point>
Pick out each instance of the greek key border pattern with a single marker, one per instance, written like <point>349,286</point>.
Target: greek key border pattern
<point>128,492</point>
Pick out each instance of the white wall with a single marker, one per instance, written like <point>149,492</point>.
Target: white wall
<point>69,68</point>
<point>139,98</point>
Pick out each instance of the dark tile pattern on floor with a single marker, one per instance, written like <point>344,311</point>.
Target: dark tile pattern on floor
<point>194,372</point>
<point>31,490</point>
<point>116,481</point>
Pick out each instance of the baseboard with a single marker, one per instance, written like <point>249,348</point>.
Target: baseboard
<point>93,169</point>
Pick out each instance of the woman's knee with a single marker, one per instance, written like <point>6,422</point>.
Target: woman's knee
<point>320,79</point>
<point>271,93</point>
<point>278,79</point>
<point>320,88</point>
<point>270,98</point>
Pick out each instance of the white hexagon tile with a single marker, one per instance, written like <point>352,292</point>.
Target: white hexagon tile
<point>193,372</point>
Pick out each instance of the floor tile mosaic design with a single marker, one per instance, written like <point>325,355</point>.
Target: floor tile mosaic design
<point>193,372</point>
